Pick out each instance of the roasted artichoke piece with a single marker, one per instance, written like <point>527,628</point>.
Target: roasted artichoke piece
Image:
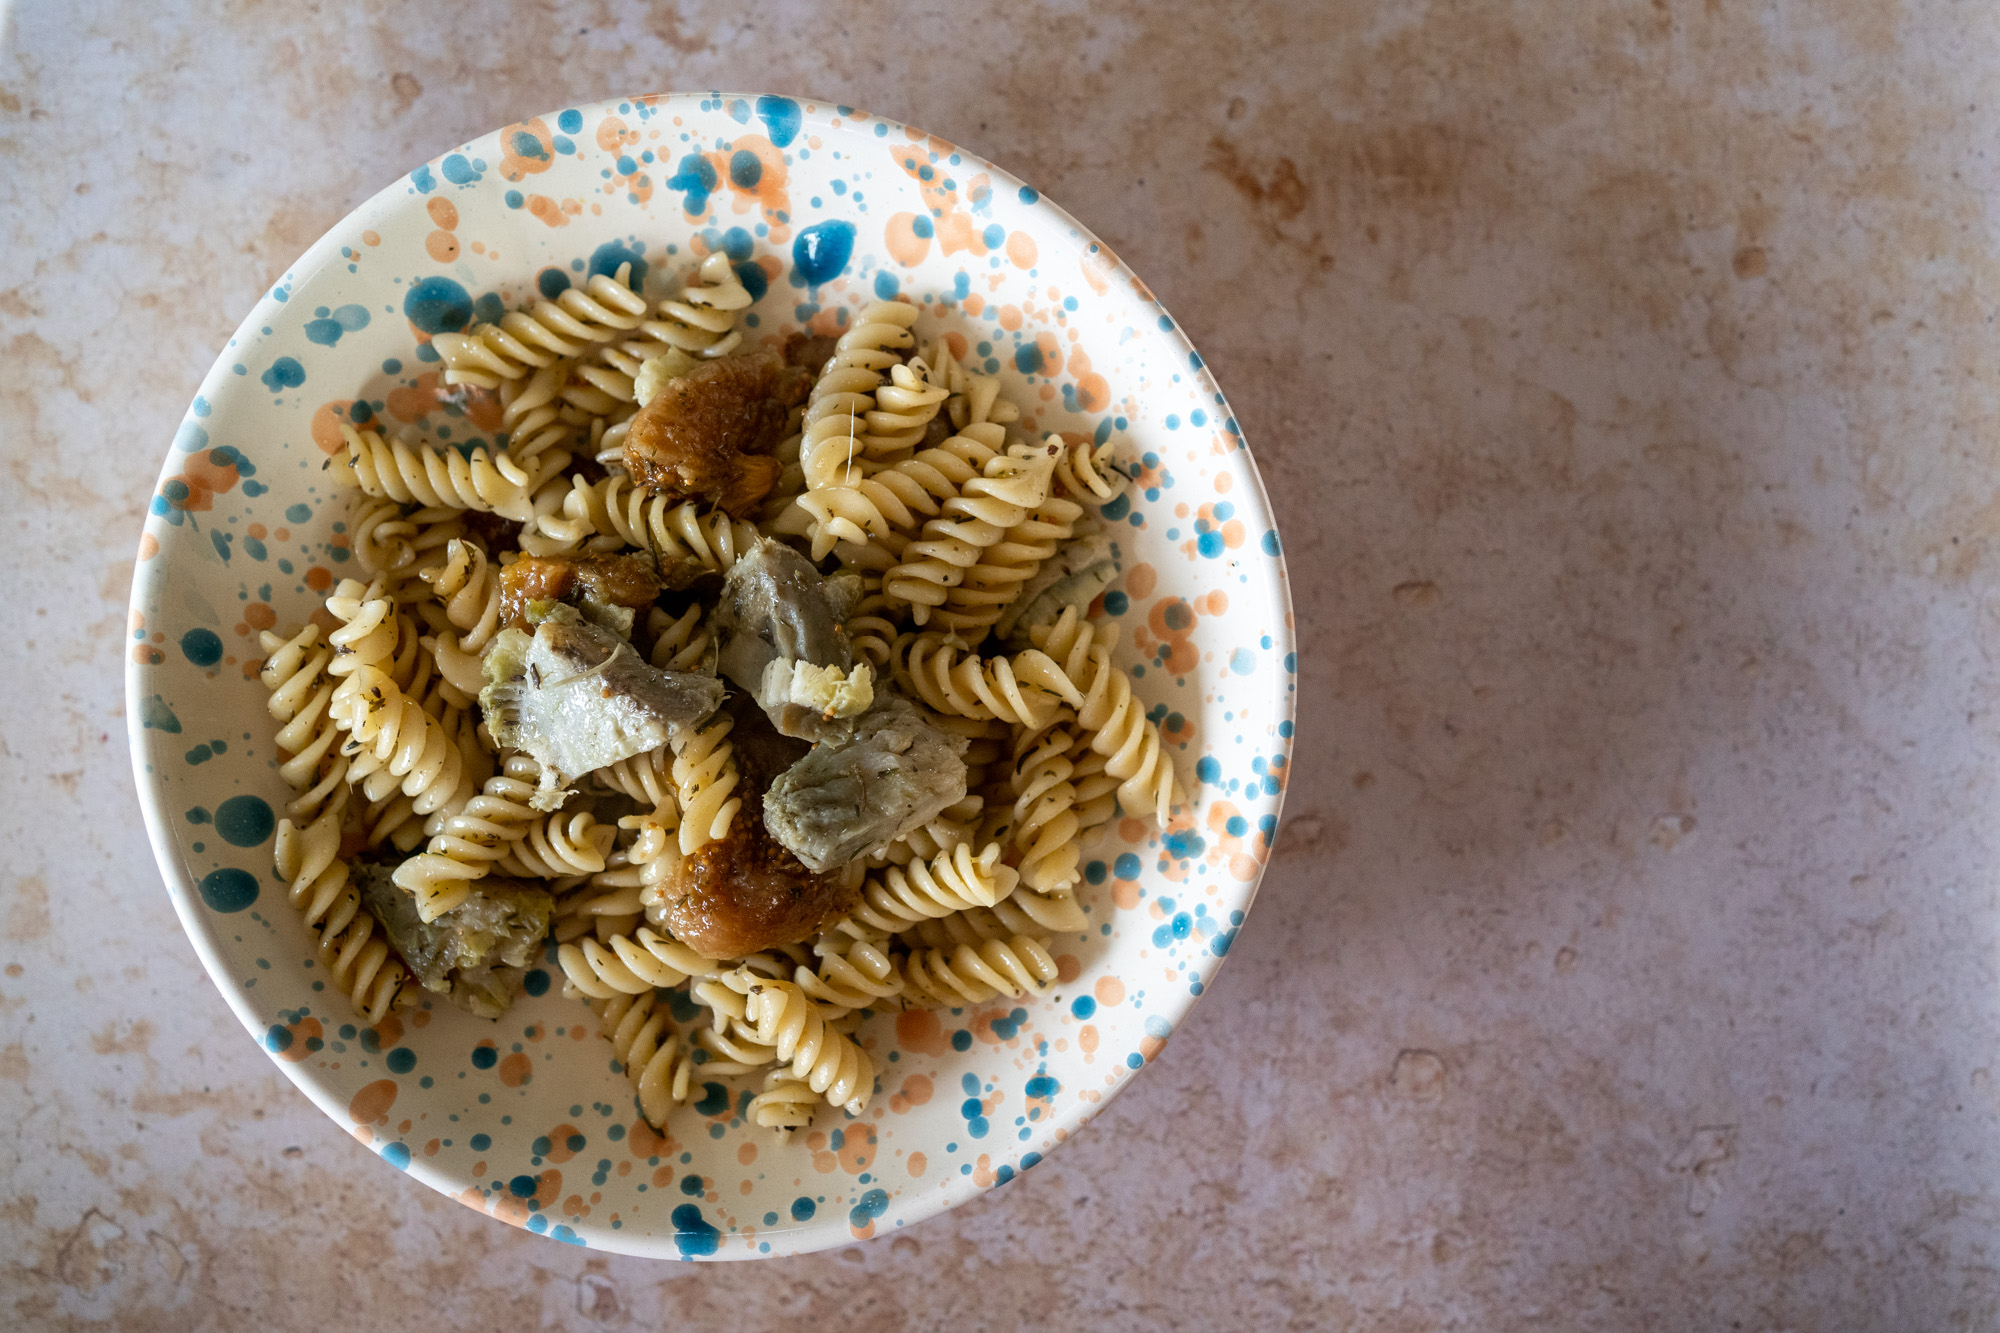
<point>779,624</point>
<point>472,953</point>
<point>1073,576</point>
<point>577,697</point>
<point>892,773</point>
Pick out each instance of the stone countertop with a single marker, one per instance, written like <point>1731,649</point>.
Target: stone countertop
<point>1623,378</point>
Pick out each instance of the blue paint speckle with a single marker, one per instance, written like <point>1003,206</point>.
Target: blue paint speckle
<point>422,179</point>
<point>459,171</point>
<point>608,258</point>
<point>570,122</point>
<point>693,1234</point>
<point>870,1206</point>
<point>285,373</point>
<point>437,305</point>
<point>820,252</point>
<point>401,1060</point>
<point>244,821</point>
<point>203,647</point>
<point>397,1155</point>
<point>745,169</point>
<point>228,889</point>
<point>1027,358</point>
<point>803,1209</point>
<point>781,118</point>
<point>696,180</point>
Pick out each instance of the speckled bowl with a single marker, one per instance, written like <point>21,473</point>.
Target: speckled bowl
<point>528,1119</point>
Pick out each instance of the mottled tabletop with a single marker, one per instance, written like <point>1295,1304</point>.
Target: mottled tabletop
<point>1623,376</point>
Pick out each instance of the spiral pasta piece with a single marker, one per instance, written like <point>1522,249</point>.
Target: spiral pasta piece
<point>647,778</point>
<point>787,1103</point>
<point>558,846</point>
<point>904,407</point>
<point>934,668</point>
<point>680,643</point>
<point>974,398</point>
<point>1101,693</point>
<point>546,332</point>
<point>676,532</point>
<point>974,973</point>
<point>703,321</point>
<point>302,690</point>
<point>655,1057</point>
<point>794,1025</point>
<point>471,842</point>
<point>468,586</point>
<point>1046,823</point>
<point>489,483</point>
<point>351,950</point>
<point>964,544</point>
<point>631,964</point>
<point>704,776</point>
<point>1025,912</point>
<point>952,881</point>
<point>1086,472</point>
<point>531,412</point>
<point>852,974</point>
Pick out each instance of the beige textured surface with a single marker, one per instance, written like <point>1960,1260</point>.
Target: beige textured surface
<point>1622,374</point>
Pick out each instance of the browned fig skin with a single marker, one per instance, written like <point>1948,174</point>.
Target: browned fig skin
<point>745,893</point>
<point>810,351</point>
<point>495,533</point>
<point>622,580</point>
<point>709,434</point>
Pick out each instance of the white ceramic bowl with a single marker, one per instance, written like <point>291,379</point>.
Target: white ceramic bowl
<point>526,1119</point>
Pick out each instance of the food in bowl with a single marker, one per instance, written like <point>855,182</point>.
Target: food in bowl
<point>761,671</point>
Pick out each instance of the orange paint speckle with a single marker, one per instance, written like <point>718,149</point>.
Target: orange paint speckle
<point>441,246</point>
<point>1010,317</point>
<point>1086,1040</point>
<point>410,401</point>
<point>746,1155</point>
<point>857,1149</point>
<point>645,1141</point>
<point>319,578</point>
<point>259,615</point>
<point>1068,968</point>
<point>149,546</point>
<point>516,1069</point>
<point>559,1142</point>
<point>307,1035</point>
<point>1109,991</point>
<point>917,1163</point>
<point>916,1091</point>
<point>525,149</point>
<point>370,1106</point>
<point>371,238</point>
<point>918,1030</point>
<point>1021,249</point>
<point>547,210</point>
<point>326,423</point>
<point>1141,580</point>
<point>905,246</point>
<point>443,212</point>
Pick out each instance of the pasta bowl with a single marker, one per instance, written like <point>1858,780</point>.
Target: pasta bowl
<point>818,210</point>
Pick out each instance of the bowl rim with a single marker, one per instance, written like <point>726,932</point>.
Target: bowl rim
<point>824,1231</point>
